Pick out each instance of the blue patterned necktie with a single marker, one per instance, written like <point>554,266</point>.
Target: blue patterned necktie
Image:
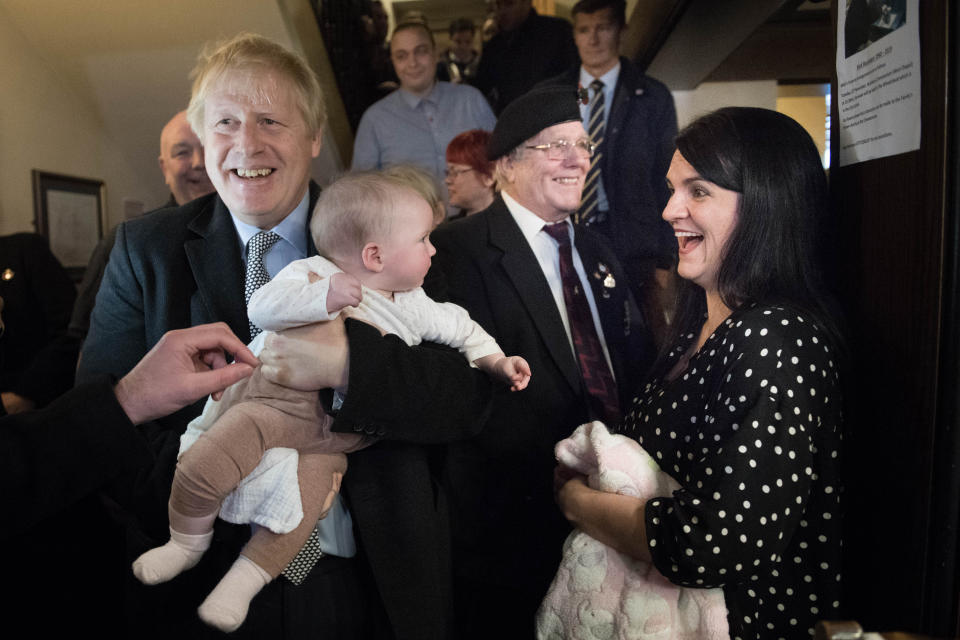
<point>257,275</point>
<point>589,203</point>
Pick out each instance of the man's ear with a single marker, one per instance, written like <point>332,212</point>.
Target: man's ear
<point>505,168</point>
<point>372,256</point>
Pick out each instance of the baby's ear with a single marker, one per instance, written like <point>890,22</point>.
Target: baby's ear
<point>372,256</point>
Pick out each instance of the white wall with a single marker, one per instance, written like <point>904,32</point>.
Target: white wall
<point>710,96</point>
<point>45,125</point>
<point>803,103</point>
<point>87,87</point>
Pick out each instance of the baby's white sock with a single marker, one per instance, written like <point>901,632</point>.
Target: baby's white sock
<point>181,552</point>
<point>226,606</point>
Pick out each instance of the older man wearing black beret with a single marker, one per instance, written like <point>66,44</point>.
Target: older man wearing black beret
<point>557,296</point>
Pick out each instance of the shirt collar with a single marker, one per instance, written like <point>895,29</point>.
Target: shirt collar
<point>293,228</point>
<point>413,101</point>
<point>609,79</point>
<point>530,223</point>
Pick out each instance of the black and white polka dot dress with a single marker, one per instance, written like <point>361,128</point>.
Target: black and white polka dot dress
<point>751,430</point>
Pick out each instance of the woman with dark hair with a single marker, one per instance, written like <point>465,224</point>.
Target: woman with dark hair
<point>743,407</point>
<point>469,173</point>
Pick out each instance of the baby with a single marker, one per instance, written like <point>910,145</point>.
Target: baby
<point>374,230</point>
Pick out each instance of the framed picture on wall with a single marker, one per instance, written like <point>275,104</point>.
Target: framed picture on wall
<point>69,211</point>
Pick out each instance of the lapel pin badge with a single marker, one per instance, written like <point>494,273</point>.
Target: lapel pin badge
<point>583,94</point>
<point>603,272</point>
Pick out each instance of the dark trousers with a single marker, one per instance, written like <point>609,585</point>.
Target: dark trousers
<point>333,602</point>
<point>337,600</point>
<point>485,611</point>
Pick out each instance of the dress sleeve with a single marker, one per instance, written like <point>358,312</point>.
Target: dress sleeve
<point>752,456</point>
<point>290,299</point>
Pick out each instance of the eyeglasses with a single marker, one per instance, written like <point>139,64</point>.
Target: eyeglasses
<point>558,149</point>
<point>455,173</point>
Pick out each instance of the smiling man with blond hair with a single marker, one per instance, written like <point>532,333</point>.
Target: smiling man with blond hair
<point>258,109</point>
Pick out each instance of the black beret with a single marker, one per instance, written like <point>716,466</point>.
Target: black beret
<point>530,114</point>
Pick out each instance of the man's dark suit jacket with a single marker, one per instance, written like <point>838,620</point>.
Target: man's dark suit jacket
<point>507,529</point>
<point>182,267</point>
<point>514,61</point>
<point>638,145</point>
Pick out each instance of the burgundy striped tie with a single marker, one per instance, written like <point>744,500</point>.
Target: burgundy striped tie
<point>593,364</point>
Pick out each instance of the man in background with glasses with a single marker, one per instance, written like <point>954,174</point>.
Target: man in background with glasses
<point>558,297</point>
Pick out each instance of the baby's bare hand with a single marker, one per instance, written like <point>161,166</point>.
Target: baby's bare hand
<point>517,371</point>
<point>344,292</point>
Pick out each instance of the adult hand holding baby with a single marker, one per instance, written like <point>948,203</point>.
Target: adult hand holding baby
<point>315,356</point>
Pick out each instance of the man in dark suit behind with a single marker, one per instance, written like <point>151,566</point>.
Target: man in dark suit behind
<point>635,143</point>
<point>258,110</point>
<point>506,268</point>
<point>528,48</point>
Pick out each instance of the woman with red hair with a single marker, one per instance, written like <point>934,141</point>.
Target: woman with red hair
<point>469,173</point>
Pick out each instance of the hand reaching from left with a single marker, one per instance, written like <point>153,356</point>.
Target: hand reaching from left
<point>184,366</point>
<point>315,356</point>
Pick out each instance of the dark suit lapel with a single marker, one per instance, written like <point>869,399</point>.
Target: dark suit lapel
<point>217,266</point>
<point>217,263</point>
<point>523,270</point>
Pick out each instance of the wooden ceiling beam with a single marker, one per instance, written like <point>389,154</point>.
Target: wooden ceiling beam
<point>705,34</point>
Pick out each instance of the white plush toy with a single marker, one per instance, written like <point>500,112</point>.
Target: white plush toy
<point>599,593</point>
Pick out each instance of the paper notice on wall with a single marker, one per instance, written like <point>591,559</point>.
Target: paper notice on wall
<point>878,78</point>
